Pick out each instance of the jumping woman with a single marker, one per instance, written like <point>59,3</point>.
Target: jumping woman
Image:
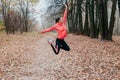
<point>61,29</point>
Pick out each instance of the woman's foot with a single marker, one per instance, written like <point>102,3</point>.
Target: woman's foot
<point>50,41</point>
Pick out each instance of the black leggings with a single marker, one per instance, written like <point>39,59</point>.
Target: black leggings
<point>60,43</point>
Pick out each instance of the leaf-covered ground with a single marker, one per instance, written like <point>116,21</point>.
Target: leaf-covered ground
<point>30,57</point>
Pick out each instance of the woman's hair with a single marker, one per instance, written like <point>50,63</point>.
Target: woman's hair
<point>57,19</point>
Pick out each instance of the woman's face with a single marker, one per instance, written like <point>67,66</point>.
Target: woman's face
<point>61,19</point>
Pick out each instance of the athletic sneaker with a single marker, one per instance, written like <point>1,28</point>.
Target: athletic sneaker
<point>50,41</point>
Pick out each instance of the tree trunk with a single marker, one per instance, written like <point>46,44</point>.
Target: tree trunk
<point>119,6</point>
<point>91,15</point>
<point>79,23</point>
<point>104,20</point>
<point>112,20</point>
<point>6,15</point>
<point>97,19</point>
<point>71,17</point>
<point>86,24</point>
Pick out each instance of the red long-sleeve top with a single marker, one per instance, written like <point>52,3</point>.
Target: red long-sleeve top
<point>60,27</point>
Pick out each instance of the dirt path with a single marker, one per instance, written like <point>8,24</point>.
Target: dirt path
<point>30,57</point>
<point>44,63</point>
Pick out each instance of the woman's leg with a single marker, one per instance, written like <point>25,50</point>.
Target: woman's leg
<point>65,46</point>
<point>56,48</point>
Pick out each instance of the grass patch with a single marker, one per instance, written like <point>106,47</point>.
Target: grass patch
<point>1,26</point>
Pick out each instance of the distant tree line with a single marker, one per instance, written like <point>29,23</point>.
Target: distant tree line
<point>96,18</point>
<point>16,15</point>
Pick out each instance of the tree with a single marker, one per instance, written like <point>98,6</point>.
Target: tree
<point>86,23</point>
<point>112,20</point>
<point>71,16</point>
<point>119,6</point>
<point>78,21</point>
<point>24,12</point>
<point>93,27</point>
<point>104,19</point>
<point>6,13</point>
